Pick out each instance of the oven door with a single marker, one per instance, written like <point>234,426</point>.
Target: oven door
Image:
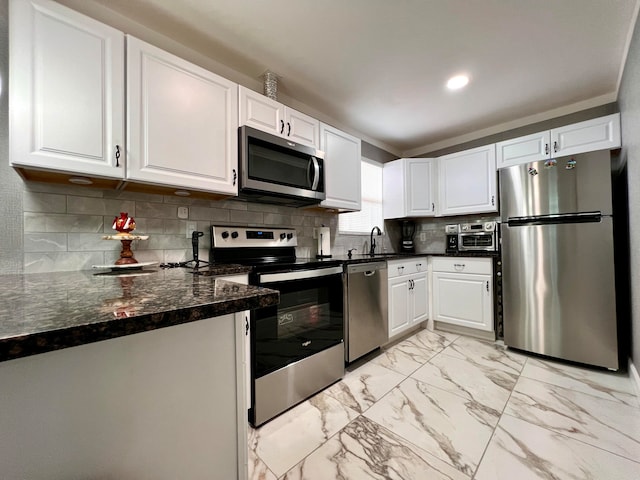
<point>308,320</point>
<point>477,241</point>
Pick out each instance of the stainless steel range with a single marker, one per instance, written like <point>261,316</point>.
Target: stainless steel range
<point>297,348</point>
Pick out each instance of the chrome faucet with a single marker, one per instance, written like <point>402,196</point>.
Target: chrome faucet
<point>372,242</point>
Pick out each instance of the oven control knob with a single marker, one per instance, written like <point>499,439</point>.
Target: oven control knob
<point>234,234</point>
<point>283,236</point>
<point>225,234</point>
<point>289,236</point>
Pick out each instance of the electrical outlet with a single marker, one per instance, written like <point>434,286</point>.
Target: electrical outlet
<point>183,212</point>
<point>423,236</point>
<point>191,227</point>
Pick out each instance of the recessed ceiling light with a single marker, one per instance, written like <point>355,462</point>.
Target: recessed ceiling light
<point>81,180</point>
<point>457,82</point>
<point>181,193</point>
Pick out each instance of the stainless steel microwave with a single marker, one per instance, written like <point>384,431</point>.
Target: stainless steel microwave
<point>276,170</point>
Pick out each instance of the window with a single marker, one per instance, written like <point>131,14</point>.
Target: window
<point>370,214</point>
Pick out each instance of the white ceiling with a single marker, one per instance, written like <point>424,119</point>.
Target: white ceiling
<point>379,66</point>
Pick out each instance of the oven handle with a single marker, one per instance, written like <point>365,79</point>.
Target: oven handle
<point>264,278</point>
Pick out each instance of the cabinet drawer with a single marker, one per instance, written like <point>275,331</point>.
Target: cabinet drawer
<point>462,265</point>
<point>398,268</point>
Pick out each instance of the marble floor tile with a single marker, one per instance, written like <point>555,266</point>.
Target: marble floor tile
<point>452,428</point>
<point>523,451</point>
<point>490,354</point>
<point>406,356</point>
<point>364,386</point>
<point>436,340</point>
<point>364,450</point>
<point>603,384</point>
<point>487,385</point>
<point>258,470</point>
<point>287,439</point>
<point>602,423</point>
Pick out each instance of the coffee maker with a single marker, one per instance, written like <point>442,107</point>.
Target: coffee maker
<point>452,238</point>
<point>408,231</point>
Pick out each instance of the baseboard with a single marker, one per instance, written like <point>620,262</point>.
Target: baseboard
<point>472,332</point>
<point>633,371</point>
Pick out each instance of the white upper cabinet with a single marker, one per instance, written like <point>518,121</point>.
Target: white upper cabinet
<point>591,135</point>
<point>342,157</point>
<point>467,182</point>
<point>408,188</point>
<point>263,113</point>
<point>182,122</point>
<point>67,91</point>
<point>588,136</point>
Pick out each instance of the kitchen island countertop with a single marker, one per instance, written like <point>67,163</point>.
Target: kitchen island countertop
<point>42,312</point>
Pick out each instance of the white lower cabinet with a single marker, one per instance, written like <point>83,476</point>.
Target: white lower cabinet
<point>408,294</point>
<point>246,321</point>
<point>463,292</point>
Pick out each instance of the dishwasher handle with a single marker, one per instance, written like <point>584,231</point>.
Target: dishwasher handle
<point>369,273</point>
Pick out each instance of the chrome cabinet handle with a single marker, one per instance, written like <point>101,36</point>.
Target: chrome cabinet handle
<point>288,129</point>
<point>493,200</point>
<point>555,146</point>
<point>235,177</point>
<point>246,325</point>
<point>458,266</point>
<point>433,207</point>
<point>487,285</point>
<point>281,126</point>
<point>117,155</point>
<point>546,149</point>
<point>400,269</point>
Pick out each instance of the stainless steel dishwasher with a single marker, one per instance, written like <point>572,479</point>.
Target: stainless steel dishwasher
<point>365,304</point>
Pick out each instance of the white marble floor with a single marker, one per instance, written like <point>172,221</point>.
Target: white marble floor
<point>443,406</point>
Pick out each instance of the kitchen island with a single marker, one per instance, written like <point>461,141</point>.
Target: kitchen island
<point>128,376</point>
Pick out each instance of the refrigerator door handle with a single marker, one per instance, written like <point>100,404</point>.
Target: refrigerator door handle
<point>586,217</point>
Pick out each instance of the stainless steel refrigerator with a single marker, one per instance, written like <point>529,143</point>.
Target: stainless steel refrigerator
<point>557,252</point>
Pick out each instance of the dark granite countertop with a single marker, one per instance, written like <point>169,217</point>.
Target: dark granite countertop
<point>359,258</point>
<point>50,311</point>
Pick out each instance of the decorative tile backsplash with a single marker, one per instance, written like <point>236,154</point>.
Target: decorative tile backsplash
<point>64,226</point>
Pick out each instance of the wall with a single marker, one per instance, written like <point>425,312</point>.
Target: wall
<point>629,102</point>
<point>11,186</point>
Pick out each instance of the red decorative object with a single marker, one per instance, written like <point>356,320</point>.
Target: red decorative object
<point>124,223</point>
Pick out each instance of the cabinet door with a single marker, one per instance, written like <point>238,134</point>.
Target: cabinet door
<point>591,135</point>
<point>182,122</point>
<point>419,187</point>
<point>476,311</point>
<point>301,128</point>
<point>419,299</point>
<point>530,148</point>
<point>467,182</point>
<point>341,169</point>
<point>67,90</point>
<point>261,112</point>
<point>398,306</point>
<point>393,189</point>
